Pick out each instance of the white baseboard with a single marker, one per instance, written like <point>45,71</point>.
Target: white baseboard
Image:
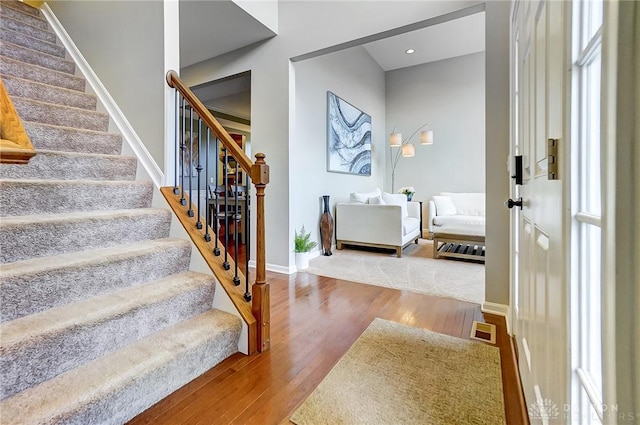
<point>127,131</point>
<point>499,310</point>
<point>277,268</point>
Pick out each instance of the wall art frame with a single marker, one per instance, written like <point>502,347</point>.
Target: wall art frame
<point>348,138</point>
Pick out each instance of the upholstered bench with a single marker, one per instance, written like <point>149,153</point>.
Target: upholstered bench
<point>459,241</point>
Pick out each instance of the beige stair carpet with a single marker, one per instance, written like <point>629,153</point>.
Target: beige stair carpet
<point>416,271</point>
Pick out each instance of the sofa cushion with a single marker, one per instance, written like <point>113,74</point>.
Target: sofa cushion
<point>458,219</point>
<point>396,199</point>
<point>467,203</point>
<point>444,205</point>
<point>376,200</point>
<point>363,197</point>
<point>409,224</point>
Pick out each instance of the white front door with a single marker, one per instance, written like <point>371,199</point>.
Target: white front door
<point>539,287</point>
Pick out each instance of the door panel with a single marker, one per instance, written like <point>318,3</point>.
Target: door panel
<point>543,316</point>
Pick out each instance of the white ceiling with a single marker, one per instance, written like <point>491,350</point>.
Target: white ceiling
<point>458,37</point>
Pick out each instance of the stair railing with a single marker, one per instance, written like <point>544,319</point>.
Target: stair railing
<point>15,145</point>
<point>211,196</point>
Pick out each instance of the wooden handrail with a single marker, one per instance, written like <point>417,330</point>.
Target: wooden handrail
<point>175,82</point>
<point>258,318</point>
<point>15,145</point>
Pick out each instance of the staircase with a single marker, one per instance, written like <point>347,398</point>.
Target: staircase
<point>100,315</point>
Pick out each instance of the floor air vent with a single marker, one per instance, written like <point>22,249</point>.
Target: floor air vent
<point>483,332</point>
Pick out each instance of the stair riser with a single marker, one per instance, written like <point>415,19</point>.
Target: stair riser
<point>36,361</point>
<point>127,402</point>
<point>48,113</point>
<point>27,71</point>
<point>21,242</point>
<point>115,388</point>
<point>45,93</point>
<point>21,27</point>
<point>20,198</point>
<point>35,57</point>
<point>23,40</point>
<point>25,16</point>
<point>28,293</point>
<point>73,140</point>
<point>56,166</point>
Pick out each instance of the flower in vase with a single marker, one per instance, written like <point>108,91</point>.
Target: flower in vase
<point>407,190</point>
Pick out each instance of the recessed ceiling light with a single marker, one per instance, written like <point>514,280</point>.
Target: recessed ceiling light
<point>410,51</point>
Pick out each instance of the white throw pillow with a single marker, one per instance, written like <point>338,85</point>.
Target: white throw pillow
<point>363,197</point>
<point>377,200</point>
<point>396,199</point>
<point>444,205</point>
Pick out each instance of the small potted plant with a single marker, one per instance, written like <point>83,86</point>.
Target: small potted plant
<point>409,191</point>
<point>303,245</point>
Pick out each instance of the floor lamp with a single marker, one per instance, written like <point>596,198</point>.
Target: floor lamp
<point>407,149</point>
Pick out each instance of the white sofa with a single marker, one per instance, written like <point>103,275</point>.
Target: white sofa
<point>457,210</point>
<point>385,220</point>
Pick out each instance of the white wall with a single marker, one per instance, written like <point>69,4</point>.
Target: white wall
<point>123,42</point>
<point>497,150</point>
<point>449,96</point>
<point>355,77</point>
<point>303,27</point>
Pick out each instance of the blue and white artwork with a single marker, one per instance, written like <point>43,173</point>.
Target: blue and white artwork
<point>348,138</point>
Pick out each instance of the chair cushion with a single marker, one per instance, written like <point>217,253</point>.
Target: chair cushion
<point>459,219</point>
<point>467,203</point>
<point>409,224</point>
<point>397,199</point>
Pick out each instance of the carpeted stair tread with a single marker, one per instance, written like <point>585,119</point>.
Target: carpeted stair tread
<point>114,388</point>
<point>40,346</point>
<point>47,164</point>
<point>21,6</point>
<point>25,28</point>
<point>19,87</point>
<point>50,113</point>
<point>32,236</point>
<point>35,57</point>
<point>31,286</point>
<point>69,139</point>
<point>31,197</point>
<point>24,40</point>
<point>22,12</point>
<point>29,71</point>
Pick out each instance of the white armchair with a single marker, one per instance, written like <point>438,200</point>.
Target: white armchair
<point>384,226</point>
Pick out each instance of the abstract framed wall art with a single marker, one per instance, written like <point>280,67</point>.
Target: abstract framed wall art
<point>348,138</point>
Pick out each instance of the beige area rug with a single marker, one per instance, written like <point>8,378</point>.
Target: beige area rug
<point>396,374</point>
<point>415,271</point>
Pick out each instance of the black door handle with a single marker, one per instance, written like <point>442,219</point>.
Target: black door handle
<point>510,203</point>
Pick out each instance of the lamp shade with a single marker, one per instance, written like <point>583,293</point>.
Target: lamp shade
<point>395,139</point>
<point>426,137</point>
<point>408,150</point>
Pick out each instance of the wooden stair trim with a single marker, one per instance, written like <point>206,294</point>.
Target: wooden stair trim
<point>15,145</point>
<point>225,277</point>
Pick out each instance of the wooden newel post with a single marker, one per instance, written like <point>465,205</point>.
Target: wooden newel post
<point>261,306</point>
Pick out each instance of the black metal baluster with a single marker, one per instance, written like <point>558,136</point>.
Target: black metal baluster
<point>236,220</point>
<point>199,171</point>
<point>216,228</point>
<point>247,238</point>
<point>190,210</point>
<point>225,169</point>
<point>183,201</point>
<point>207,236</point>
<point>176,142</point>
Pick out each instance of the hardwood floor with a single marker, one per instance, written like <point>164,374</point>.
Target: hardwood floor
<point>314,322</point>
